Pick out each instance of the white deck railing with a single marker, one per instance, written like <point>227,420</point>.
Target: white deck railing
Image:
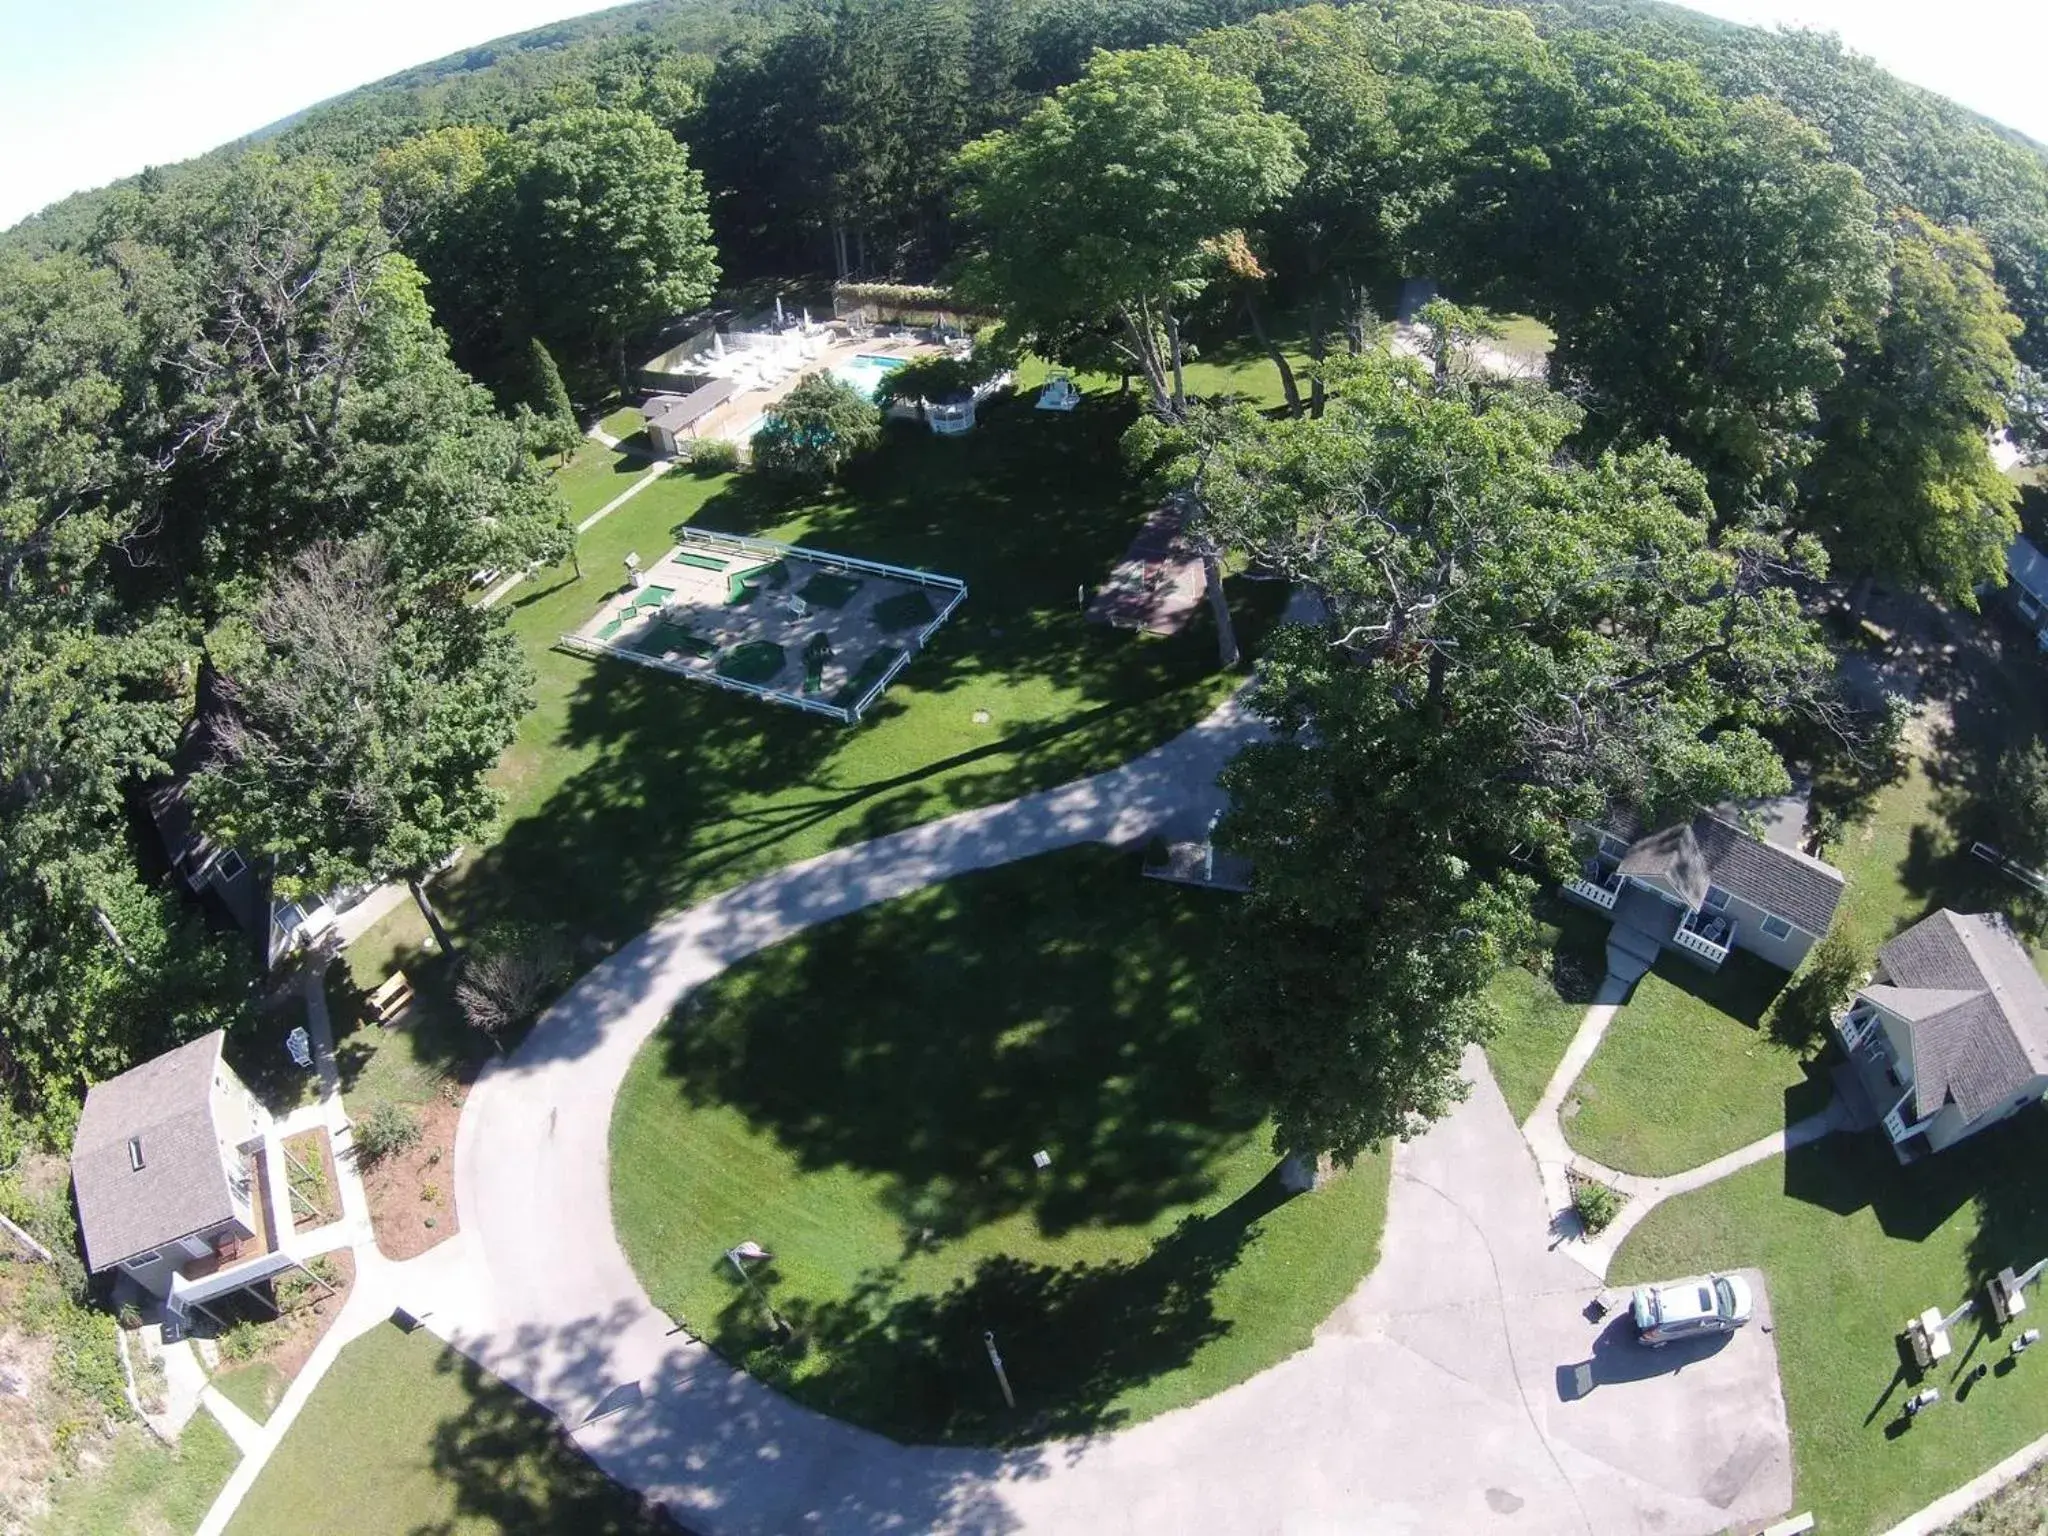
<point>1598,895</point>
<point>1705,948</point>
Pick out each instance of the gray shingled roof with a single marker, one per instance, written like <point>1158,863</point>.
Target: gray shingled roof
<point>181,1188</point>
<point>1784,881</point>
<point>1685,860</point>
<point>1673,859</point>
<point>1977,1009</point>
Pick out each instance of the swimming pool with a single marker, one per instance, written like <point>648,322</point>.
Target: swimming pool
<point>866,370</point>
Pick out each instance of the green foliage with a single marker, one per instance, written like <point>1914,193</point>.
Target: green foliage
<point>555,415</point>
<point>579,227</point>
<point>1833,969</point>
<point>937,377</point>
<point>714,456</point>
<point>2019,804</point>
<point>1108,205</point>
<point>242,1341</point>
<point>364,720</point>
<point>386,1131</point>
<point>1597,1204</point>
<point>1511,640</point>
<point>1905,485</point>
<point>815,429</point>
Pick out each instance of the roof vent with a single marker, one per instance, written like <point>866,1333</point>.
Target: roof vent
<point>135,1154</point>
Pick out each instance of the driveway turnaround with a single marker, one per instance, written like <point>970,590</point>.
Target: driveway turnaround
<point>1464,1386</point>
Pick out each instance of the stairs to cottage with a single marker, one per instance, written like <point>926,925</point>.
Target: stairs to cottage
<point>1630,954</point>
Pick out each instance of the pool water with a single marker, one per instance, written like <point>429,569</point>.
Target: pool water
<point>866,370</point>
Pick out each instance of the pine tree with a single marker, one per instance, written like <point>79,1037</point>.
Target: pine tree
<point>559,432</point>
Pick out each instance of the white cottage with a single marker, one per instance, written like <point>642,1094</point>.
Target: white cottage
<point>1951,1034</point>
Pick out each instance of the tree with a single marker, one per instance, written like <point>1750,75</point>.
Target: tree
<point>506,977</point>
<point>609,227</point>
<point>2019,804</point>
<point>555,418</point>
<point>97,969</point>
<point>1904,486</point>
<point>815,429</point>
<point>1701,264</point>
<point>1109,203</point>
<point>364,720</point>
<point>1509,640</point>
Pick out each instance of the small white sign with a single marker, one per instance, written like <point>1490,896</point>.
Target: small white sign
<point>1041,1158</point>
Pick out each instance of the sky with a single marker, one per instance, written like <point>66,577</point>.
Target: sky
<point>90,93</point>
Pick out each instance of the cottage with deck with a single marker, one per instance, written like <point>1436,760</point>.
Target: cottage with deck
<point>1707,887</point>
<point>1951,1033</point>
<point>169,1170</point>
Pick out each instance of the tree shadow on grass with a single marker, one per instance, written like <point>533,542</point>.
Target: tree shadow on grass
<point>1073,1340</point>
<point>687,790</point>
<point>945,1038</point>
<point>1994,1171</point>
<point>509,1463</point>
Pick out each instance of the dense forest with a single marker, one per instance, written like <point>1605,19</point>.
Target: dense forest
<point>264,414</point>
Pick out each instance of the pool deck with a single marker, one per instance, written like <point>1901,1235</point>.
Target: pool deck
<point>735,419</point>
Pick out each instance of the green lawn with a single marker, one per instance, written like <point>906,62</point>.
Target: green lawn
<point>1541,1012</point>
<point>594,475</point>
<point>254,1388</point>
<point>866,1101</point>
<point>143,1486</point>
<point>1852,1245</point>
<point>404,1435</point>
<point>1688,1070</point>
<point>630,792</point>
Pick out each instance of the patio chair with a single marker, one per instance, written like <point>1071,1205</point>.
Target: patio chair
<point>797,607</point>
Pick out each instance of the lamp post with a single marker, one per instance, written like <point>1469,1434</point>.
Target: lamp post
<point>988,1341</point>
<point>733,1257</point>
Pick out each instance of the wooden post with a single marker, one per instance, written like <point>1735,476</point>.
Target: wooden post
<point>21,1237</point>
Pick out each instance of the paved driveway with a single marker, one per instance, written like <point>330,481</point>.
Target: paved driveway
<point>1462,1388</point>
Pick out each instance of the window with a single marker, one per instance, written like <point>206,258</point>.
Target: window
<point>2029,607</point>
<point>135,1154</point>
<point>1716,899</point>
<point>142,1260</point>
<point>1777,927</point>
<point>1612,846</point>
<point>229,866</point>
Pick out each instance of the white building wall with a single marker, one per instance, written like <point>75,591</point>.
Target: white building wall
<point>1785,953</point>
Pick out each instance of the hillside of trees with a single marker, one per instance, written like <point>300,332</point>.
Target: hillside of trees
<point>264,414</point>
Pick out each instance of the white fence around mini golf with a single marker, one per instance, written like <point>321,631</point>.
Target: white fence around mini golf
<point>733,543</point>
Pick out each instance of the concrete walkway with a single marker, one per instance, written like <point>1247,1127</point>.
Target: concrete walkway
<point>1431,1401</point>
<point>1556,1159</point>
<point>380,1284</point>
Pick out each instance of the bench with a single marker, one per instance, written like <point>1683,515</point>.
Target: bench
<point>392,998</point>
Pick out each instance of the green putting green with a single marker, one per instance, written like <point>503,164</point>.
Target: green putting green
<point>829,591</point>
<point>758,661</point>
<point>906,610</point>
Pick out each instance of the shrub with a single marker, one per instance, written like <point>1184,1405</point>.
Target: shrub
<point>1596,1204</point>
<point>1801,1014</point>
<point>386,1131</point>
<point>937,377</point>
<point>816,428</point>
<point>510,972</point>
<point>714,456</point>
<point>240,1342</point>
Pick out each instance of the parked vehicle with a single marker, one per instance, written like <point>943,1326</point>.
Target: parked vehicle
<point>1691,1309</point>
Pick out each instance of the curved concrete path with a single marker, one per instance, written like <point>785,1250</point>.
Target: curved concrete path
<point>1556,1158</point>
<point>1461,1388</point>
